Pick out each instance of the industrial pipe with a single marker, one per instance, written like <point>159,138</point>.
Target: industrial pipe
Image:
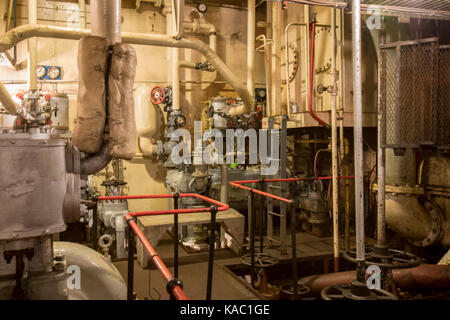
<point>82,5</point>
<point>251,25</point>
<point>12,37</point>
<point>311,76</point>
<point>334,144</point>
<point>358,136</point>
<point>32,48</point>
<point>424,276</point>
<point>106,19</point>
<point>11,107</point>
<point>97,162</point>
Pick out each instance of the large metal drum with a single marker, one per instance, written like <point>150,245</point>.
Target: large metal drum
<point>32,185</point>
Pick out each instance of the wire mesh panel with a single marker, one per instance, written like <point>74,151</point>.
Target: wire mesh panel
<point>409,93</point>
<point>444,98</point>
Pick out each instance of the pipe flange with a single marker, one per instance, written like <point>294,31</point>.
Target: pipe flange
<point>355,291</point>
<point>385,258</point>
<point>435,234</point>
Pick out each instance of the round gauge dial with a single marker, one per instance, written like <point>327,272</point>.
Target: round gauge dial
<point>40,70</point>
<point>53,72</point>
<point>202,8</point>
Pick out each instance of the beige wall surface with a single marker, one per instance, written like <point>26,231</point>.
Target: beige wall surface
<point>144,176</point>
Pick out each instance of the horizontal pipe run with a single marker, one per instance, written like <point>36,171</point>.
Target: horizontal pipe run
<point>14,36</point>
<point>176,290</point>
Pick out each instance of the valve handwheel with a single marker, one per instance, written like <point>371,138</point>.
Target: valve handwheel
<point>158,95</point>
<point>355,291</point>
<point>262,260</point>
<point>386,258</point>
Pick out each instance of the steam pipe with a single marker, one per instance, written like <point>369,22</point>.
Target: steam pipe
<point>12,37</point>
<point>82,5</point>
<point>12,107</point>
<point>424,276</point>
<point>32,47</point>
<point>334,144</point>
<point>311,76</point>
<point>106,19</point>
<point>251,46</point>
<point>358,135</point>
<point>97,162</point>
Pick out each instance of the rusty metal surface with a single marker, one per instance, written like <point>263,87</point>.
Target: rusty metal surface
<point>425,276</point>
<point>415,90</point>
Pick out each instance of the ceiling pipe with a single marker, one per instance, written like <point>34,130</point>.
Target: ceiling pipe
<point>12,37</point>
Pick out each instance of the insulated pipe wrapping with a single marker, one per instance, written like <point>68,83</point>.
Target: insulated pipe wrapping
<point>97,162</point>
<point>12,37</point>
<point>91,115</point>
<point>122,125</point>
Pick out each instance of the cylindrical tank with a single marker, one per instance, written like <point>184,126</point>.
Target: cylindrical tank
<point>32,185</point>
<point>60,119</point>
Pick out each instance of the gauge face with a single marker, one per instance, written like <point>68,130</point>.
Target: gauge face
<point>261,93</point>
<point>40,70</point>
<point>202,7</point>
<point>53,72</point>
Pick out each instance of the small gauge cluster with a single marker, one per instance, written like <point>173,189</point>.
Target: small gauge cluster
<point>49,72</point>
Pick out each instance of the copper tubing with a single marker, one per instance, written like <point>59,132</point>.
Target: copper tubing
<point>424,276</point>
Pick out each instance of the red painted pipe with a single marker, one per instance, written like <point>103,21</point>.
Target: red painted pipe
<point>238,184</point>
<point>176,290</point>
<point>311,77</point>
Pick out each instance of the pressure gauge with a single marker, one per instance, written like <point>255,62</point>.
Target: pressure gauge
<point>261,93</point>
<point>202,8</point>
<point>40,70</point>
<point>53,73</point>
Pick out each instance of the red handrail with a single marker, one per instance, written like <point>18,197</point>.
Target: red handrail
<point>238,184</point>
<point>177,291</point>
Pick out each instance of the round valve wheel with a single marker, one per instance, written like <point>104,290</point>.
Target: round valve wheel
<point>288,290</point>
<point>262,260</point>
<point>158,95</point>
<point>386,258</point>
<point>355,291</point>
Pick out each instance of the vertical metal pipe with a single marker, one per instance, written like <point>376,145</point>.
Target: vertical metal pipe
<point>32,47</point>
<point>261,219</point>
<point>212,240</point>
<point>252,221</point>
<point>130,283</point>
<point>106,19</point>
<point>251,25</point>
<point>175,235</point>
<point>283,184</point>
<point>224,183</point>
<point>82,5</point>
<point>381,175</point>
<point>334,144</point>
<point>358,132</point>
<point>95,227</point>
<point>294,251</point>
